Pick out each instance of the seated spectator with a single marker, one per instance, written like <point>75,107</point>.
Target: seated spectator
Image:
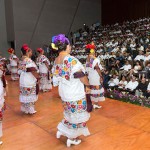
<point>146,58</point>
<point>113,71</point>
<point>106,78</point>
<point>113,82</point>
<point>132,85</point>
<point>146,72</point>
<point>139,57</point>
<point>125,69</point>
<point>136,68</point>
<point>148,90</point>
<point>117,65</point>
<point>123,82</point>
<point>142,88</point>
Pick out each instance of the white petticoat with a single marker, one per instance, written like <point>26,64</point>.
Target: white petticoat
<point>100,98</point>
<point>45,84</point>
<point>28,99</point>
<point>77,117</point>
<point>72,133</point>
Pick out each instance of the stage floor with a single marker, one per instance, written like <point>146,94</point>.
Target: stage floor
<point>116,126</point>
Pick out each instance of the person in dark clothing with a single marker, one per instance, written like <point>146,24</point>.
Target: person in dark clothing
<point>142,87</point>
<point>106,78</point>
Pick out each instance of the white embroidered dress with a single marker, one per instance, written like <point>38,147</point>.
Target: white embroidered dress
<point>1,101</point>
<point>14,66</point>
<point>28,95</point>
<point>97,91</point>
<point>72,93</point>
<point>45,79</point>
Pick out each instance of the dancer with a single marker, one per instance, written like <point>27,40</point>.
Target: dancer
<point>13,64</point>
<point>3,69</point>
<point>95,76</point>
<point>69,74</point>
<point>2,104</point>
<point>28,81</point>
<point>44,66</point>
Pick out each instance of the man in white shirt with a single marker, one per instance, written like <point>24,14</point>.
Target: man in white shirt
<point>125,69</point>
<point>114,81</point>
<point>133,46</point>
<point>139,57</point>
<point>132,85</point>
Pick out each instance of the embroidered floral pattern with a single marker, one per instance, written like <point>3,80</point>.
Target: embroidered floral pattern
<point>42,59</point>
<point>2,111</point>
<point>97,95</point>
<point>95,87</point>
<point>28,90</point>
<point>65,70</point>
<point>12,57</point>
<point>75,106</point>
<point>89,64</point>
<point>72,125</point>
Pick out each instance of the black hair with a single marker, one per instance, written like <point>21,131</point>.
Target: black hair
<point>61,46</point>
<point>88,50</point>
<point>23,51</point>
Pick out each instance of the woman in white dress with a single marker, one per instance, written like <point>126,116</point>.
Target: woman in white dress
<point>2,104</point>
<point>136,68</point>
<point>69,75</point>
<point>13,64</point>
<point>95,78</point>
<point>123,82</point>
<point>28,81</point>
<point>43,64</point>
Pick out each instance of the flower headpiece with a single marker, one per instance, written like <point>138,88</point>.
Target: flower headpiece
<point>92,47</point>
<point>10,50</point>
<point>59,38</point>
<point>39,50</point>
<point>25,47</point>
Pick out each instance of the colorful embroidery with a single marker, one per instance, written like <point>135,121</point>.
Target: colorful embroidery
<point>95,87</point>
<point>97,95</point>
<point>42,59</point>
<point>74,126</point>
<point>28,91</point>
<point>65,70</point>
<point>2,111</point>
<point>75,106</point>
<point>12,57</point>
<point>89,64</point>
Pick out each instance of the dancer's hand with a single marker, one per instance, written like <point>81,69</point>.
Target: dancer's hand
<point>87,90</point>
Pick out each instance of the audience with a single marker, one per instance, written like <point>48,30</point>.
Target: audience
<point>132,85</point>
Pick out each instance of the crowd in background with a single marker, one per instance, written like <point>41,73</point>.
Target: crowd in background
<point>124,53</point>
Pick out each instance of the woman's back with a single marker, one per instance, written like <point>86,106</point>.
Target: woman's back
<point>70,88</point>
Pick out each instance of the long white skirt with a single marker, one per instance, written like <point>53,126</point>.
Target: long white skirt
<point>14,73</point>
<point>97,90</point>
<point>75,117</point>
<point>97,93</point>
<point>28,97</point>
<point>45,84</point>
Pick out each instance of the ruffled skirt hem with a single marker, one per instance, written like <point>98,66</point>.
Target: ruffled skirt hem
<point>28,99</point>
<point>77,117</point>
<point>72,133</point>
